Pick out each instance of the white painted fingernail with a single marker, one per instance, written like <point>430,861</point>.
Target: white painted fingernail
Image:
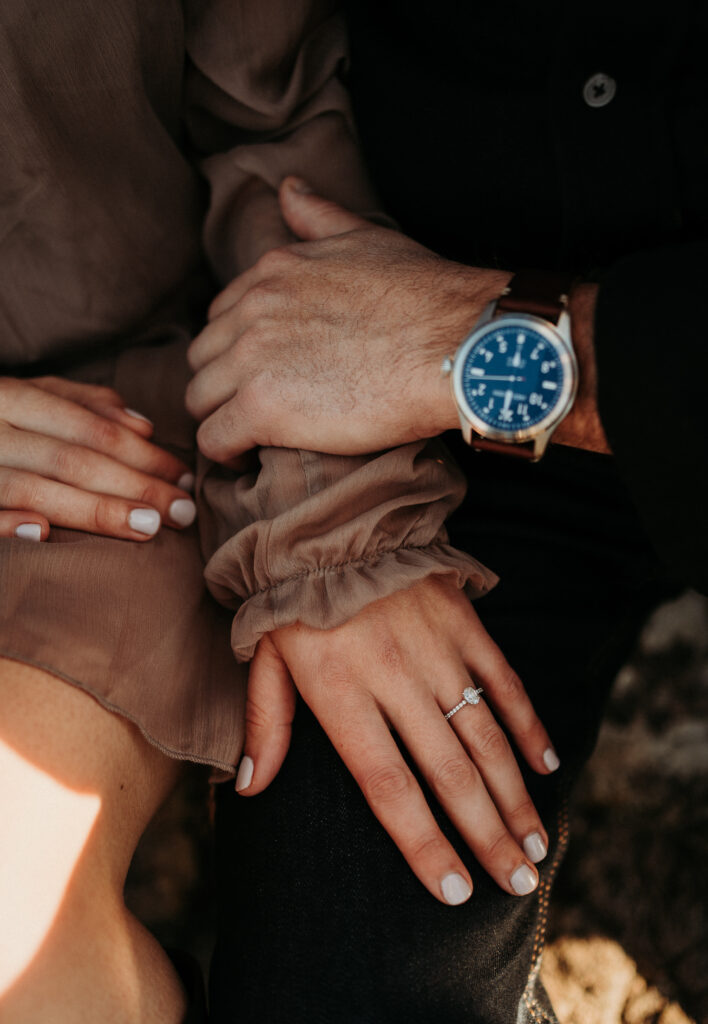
<point>455,889</point>
<point>138,416</point>
<point>245,773</point>
<point>524,880</point>
<point>534,847</point>
<point>186,482</point>
<point>144,520</point>
<point>29,531</point>
<point>183,511</point>
<point>550,759</point>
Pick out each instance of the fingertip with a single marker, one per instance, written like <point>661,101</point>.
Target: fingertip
<point>535,847</point>
<point>34,531</point>
<point>294,184</point>
<point>524,880</point>
<point>144,522</point>
<point>182,513</point>
<point>134,420</point>
<point>456,888</point>
<point>244,777</point>
<point>551,760</point>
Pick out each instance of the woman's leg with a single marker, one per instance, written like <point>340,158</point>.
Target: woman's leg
<point>78,786</point>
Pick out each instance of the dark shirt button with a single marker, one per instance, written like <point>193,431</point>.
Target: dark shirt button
<point>599,90</point>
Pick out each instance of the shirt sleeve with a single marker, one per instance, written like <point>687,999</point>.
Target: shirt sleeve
<point>264,99</point>
<point>305,537</point>
<point>651,340</point>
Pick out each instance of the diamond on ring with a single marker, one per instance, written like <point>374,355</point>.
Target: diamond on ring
<point>470,695</point>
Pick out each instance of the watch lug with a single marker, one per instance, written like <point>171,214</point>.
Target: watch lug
<point>487,314</point>
<point>540,444</point>
<point>466,428</point>
<point>563,328</point>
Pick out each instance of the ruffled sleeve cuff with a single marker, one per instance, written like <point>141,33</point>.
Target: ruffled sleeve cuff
<point>314,539</point>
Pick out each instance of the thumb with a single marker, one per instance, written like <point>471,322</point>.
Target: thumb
<point>310,216</point>
<point>270,708</point>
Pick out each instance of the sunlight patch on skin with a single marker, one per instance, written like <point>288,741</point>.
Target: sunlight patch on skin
<point>45,827</point>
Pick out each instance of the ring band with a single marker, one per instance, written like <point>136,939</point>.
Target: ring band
<point>469,696</point>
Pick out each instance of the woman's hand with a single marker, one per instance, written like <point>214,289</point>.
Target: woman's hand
<point>399,665</point>
<point>72,455</point>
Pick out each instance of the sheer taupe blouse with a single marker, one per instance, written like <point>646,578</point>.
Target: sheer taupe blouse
<point>136,138</point>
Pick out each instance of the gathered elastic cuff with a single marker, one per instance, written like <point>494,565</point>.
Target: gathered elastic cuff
<point>330,595</point>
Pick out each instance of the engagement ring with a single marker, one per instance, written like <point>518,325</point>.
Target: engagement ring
<point>469,696</point>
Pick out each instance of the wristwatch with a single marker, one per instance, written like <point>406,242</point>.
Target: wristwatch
<point>515,377</point>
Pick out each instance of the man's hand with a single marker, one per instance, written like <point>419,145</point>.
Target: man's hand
<point>334,344</point>
<point>400,664</point>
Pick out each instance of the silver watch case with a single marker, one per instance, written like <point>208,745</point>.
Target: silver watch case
<point>559,338</point>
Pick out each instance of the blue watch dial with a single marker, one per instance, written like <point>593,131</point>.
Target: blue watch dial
<point>512,377</point>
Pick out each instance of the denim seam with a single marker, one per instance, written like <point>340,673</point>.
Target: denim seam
<point>537,1013</point>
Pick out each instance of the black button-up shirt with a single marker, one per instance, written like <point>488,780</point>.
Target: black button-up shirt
<point>476,123</point>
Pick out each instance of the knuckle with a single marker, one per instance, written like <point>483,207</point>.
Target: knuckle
<point>277,260</point>
<point>152,494</point>
<point>256,401</point>
<point>104,434</point>
<point>108,395</point>
<point>208,441</point>
<point>508,686</point>
<point>429,846</point>
<point>331,676</point>
<point>523,810</point>
<point>193,397</point>
<point>249,346</point>
<point>495,846</point>
<point>453,777</point>
<point>259,298</point>
<point>67,462</point>
<point>389,655</point>
<point>19,491</point>
<point>530,734</point>
<point>387,784</point>
<point>105,516</point>
<point>257,718</point>
<point>491,743</point>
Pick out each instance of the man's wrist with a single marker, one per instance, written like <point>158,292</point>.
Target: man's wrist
<point>582,427</point>
<point>481,286</point>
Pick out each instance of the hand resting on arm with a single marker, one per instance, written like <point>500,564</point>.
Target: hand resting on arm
<point>71,455</point>
<point>399,665</point>
<point>336,343</point>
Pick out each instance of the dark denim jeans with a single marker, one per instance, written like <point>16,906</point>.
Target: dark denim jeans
<point>320,918</point>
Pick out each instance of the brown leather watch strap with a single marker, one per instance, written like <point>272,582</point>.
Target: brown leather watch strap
<point>539,292</point>
<point>518,451</point>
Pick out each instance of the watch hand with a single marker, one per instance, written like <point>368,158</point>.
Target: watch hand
<point>511,378</point>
